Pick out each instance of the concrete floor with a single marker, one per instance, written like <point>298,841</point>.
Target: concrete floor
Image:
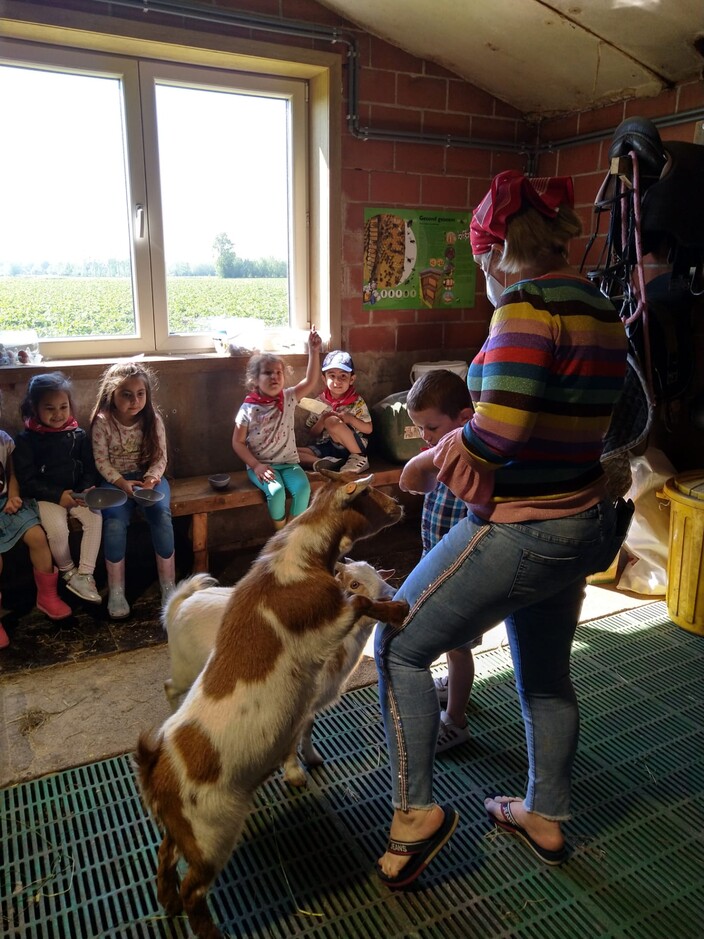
<point>80,691</point>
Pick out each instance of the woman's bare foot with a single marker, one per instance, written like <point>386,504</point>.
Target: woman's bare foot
<point>414,825</point>
<point>545,832</point>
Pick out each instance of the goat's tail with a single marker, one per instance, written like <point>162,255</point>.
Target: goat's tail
<point>184,589</point>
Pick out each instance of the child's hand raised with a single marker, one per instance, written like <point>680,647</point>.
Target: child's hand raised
<point>314,340</point>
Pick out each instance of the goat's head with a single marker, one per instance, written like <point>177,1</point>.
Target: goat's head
<point>361,510</point>
<point>361,578</point>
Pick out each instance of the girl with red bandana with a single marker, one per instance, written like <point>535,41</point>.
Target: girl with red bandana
<point>54,465</point>
<point>264,437</point>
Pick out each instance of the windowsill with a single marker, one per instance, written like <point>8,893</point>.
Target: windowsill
<point>187,362</point>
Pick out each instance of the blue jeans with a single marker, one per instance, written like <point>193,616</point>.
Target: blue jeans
<point>330,448</point>
<point>291,477</point>
<point>530,574</point>
<point>158,517</point>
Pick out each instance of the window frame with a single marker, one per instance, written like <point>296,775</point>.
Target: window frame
<point>151,73</point>
<point>319,227</point>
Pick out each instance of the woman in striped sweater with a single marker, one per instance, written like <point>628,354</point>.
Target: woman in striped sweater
<point>528,464</point>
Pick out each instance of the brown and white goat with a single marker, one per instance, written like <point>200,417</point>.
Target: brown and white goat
<point>192,617</point>
<point>244,713</point>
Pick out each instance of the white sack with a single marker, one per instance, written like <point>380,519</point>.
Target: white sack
<point>648,538</point>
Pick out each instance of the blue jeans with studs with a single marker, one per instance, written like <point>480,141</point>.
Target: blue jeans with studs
<point>530,575</point>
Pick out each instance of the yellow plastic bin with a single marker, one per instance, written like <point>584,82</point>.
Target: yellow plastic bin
<point>685,559</point>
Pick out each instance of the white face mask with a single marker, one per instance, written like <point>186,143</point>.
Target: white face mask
<point>494,287</point>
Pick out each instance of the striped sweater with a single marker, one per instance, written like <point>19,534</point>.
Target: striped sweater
<point>543,386</point>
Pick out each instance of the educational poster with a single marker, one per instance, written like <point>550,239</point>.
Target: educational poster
<point>416,260</point>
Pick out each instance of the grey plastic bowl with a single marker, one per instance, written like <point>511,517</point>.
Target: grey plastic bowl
<point>147,496</point>
<point>219,480</point>
<point>102,498</point>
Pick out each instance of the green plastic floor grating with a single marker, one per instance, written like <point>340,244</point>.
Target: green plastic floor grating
<point>79,852</point>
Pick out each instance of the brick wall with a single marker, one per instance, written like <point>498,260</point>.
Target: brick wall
<point>398,91</point>
<point>588,163</point>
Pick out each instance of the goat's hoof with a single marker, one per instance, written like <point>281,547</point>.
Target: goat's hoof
<point>296,777</point>
<point>171,902</point>
<point>312,757</point>
<point>397,611</point>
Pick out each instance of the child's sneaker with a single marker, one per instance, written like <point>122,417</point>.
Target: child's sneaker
<point>441,684</point>
<point>450,735</point>
<point>84,587</point>
<point>356,463</point>
<point>327,463</point>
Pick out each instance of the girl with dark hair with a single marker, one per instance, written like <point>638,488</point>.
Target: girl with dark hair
<point>54,463</point>
<point>19,520</point>
<point>129,444</point>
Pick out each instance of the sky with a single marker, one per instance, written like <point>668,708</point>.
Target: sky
<point>63,195</point>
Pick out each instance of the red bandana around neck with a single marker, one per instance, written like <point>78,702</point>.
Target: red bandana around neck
<point>31,423</point>
<point>256,397</point>
<point>349,397</point>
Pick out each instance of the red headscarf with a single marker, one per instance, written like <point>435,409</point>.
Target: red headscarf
<point>510,191</point>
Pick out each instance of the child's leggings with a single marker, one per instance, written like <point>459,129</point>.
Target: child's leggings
<point>55,523</point>
<point>289,477</point>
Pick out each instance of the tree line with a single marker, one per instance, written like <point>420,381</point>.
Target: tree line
<point>226,264</point>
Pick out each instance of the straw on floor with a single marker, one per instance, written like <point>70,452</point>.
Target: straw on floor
<point>79,851</point>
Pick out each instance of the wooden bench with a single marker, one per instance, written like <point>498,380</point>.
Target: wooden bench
<point>194,496</point>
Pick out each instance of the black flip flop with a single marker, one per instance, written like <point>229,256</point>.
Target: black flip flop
<point>421,853</point>
<point>509,824</point>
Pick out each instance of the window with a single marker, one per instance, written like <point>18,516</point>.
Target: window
<point>144,202</point>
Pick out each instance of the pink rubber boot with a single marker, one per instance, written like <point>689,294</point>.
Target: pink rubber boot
<point>4,638</point>
<point>48,600</point>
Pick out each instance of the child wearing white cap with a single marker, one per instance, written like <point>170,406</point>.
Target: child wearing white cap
<point>341,432</point>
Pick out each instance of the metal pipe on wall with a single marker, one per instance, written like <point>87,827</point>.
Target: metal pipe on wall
<point>193,11</point>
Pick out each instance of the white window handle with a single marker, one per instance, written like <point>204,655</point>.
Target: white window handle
<point>139,216</point>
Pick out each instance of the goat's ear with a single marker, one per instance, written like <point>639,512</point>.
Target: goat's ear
<point>346,543</point>
<point>339,567</point>
<point>386,575</point>
<point>354,486</point>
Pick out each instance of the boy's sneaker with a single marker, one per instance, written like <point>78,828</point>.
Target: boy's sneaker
<point>356,463</point>
<point>327,463</point>
<point>84,587</point>
<point>450,735</point>
<point>441,684</point>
